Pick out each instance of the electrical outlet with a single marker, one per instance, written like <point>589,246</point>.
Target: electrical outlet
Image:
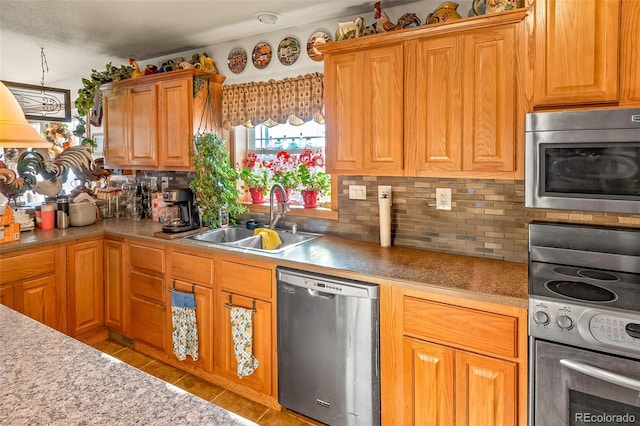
<point>384,190</point>
<point>443,198</point>
<point>357,192</point>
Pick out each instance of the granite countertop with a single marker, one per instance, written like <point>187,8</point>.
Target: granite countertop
<point>476,278</point>
<point>49,378</point>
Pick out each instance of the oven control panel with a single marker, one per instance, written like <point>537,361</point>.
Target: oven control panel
<point>584,326</point>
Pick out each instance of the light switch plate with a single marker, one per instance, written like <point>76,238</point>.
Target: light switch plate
<point>357,192</point>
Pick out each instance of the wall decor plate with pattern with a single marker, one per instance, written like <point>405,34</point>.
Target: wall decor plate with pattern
<point>316,39</point>
<point>289,50</point>
<point>237,60</point>
<point>261,55</point>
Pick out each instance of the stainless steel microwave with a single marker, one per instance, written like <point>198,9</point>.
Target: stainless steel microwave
<point>583,160</point>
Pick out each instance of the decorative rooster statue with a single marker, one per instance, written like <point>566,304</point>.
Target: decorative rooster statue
<point>384,24</point>
<point>136,68</point>
<point>30,164</point>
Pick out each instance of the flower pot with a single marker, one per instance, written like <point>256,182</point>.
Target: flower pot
<point>257,196</point>
<point>309,198</point>
<point>279,195</point>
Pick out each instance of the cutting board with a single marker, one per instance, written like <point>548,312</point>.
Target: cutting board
<point>172,236</point>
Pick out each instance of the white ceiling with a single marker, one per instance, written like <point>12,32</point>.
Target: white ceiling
<point>80,35</point>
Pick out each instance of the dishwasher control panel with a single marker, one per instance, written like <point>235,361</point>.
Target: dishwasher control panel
<point>325,284</point>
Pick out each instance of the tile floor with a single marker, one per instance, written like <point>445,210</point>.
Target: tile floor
<point>223,398</point>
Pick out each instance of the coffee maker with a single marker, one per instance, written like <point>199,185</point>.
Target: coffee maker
<point>181,213</point>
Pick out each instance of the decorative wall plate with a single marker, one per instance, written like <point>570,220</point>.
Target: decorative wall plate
<point>261,55</point>
<point>289,50</point>
<point>317,38</point>
<point>237,60</point>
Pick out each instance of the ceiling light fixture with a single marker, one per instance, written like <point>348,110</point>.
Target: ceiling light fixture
<point>15,131</point>
<point>268,18</point>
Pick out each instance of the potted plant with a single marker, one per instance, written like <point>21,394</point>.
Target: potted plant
<point>284,171</point>
<point>313,180</point>
<point>214,183</point>
<point>255,176</point>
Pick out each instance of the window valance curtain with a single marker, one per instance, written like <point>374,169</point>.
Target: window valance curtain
<point>295,100</point>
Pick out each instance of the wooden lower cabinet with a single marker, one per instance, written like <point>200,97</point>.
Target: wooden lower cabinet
<point>444,386</point>
<point>85,289</point>
<point>225,360</point>
<point>147,294</point>
<point>451,361</point>
<point>33,283</point>
<point>114,278</point>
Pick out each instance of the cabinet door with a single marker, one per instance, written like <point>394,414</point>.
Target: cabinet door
<point>113,285</point>
<point>84,287</point>
<point>204,321</point>
<point>36,299</point>
<point>490,100</point>
<point>148,322</point>
<point>174,126</point>
<point>576,45</point>
<point>224,358</point>
<point>143,123</point>
<point>344,109</point>
<point>6,295</point>
<point>486,392</point>
<point>116,107</point>
<point>428,383</point>
<point>383,109</point>
<point>434,107</point>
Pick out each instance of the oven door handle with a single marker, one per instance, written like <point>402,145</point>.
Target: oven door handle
<point>601,374</point>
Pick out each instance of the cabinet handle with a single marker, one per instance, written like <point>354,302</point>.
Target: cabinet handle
<point>193,287</point>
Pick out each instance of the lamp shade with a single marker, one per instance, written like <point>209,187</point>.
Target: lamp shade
<point>15,131</point>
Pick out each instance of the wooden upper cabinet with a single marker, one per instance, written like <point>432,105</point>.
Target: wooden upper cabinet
<point>442,100</point>
<point>576,51</point>
<point>490,129</point>
<point>143,126</point>
<point>174,112</point>
<point>464,119</point>
<point>150,120</point>
<point>434,113</point>
<point>629,53</point>
<point>116,146</point>
<point>364,97</point>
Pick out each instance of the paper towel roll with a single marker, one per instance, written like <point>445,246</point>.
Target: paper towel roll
<point>385,221</point>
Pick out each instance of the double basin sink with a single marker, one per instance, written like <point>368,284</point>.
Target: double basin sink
<point>242,238</point>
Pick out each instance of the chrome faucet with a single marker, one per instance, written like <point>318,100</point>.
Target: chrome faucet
<point>273,218</point>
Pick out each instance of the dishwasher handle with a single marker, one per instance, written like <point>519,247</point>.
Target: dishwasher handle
<point>321,294</point>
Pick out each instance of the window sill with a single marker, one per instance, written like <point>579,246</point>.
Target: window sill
<point>318,213</point>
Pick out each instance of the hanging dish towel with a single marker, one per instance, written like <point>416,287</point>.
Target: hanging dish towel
<point>185,329</point>
<point>270,238</point>
<point>242,334</point>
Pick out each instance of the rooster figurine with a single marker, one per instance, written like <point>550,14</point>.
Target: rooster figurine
<point>136,68</point>
<point>384,24</point>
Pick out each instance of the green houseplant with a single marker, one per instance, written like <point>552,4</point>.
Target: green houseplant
<point>214,183</point>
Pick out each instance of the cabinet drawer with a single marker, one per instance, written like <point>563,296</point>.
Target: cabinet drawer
<point>147,322</point>
<point>251,281</point>
<point>147,286</point>
<point>150,258</point>
<point>461,327</point>
<point>26,266</point>
<point>193,269</point>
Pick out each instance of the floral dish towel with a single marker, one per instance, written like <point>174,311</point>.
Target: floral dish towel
<point>242,335</point>
<point>185,329</point>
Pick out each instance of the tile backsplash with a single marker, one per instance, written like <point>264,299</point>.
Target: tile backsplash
<point>487,219</point>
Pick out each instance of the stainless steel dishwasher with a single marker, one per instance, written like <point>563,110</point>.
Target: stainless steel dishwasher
<point>328,348</point>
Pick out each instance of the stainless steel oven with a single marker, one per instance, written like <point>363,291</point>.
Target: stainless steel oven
<point>583,160</point>
<point>584,325</point>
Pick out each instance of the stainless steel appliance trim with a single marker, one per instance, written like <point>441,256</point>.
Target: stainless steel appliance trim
<point>590,259</point>
<point>615,118</point>
<point>330,285</point>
